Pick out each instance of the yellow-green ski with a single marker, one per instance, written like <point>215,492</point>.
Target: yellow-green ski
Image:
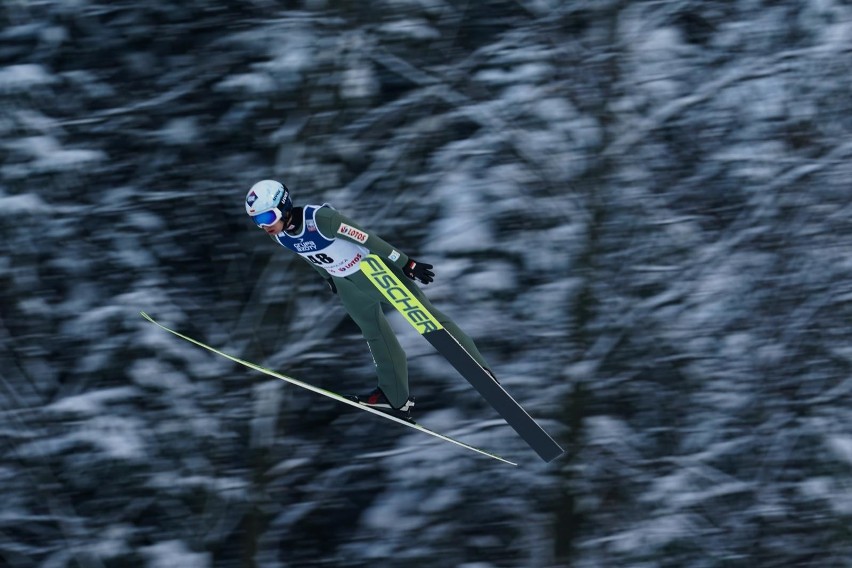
<point>415,313</point>
<point>328,393</point>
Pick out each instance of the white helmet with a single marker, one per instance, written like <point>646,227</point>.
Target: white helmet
<point>268,201</point>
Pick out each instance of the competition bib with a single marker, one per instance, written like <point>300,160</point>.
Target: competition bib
<point>335,256</point>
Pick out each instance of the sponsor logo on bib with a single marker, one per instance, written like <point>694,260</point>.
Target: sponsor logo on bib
<point>355,261</point>
<point>305,246</point>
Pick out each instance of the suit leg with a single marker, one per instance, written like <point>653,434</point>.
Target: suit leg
<point>364,306</point>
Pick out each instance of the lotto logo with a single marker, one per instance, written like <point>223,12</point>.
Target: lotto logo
<point>252,197</point>
<point>353,233</point>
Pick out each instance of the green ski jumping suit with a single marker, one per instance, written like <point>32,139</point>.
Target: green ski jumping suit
<point>335,246</point>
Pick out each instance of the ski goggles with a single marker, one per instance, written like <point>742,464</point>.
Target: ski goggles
<point>267,217</point>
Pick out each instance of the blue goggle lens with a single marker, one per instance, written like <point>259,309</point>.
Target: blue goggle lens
<point>267,217</point>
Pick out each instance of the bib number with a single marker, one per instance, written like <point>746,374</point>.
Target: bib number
<point>320,259</point>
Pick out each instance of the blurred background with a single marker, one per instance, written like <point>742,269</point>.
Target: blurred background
<point>639,209</point>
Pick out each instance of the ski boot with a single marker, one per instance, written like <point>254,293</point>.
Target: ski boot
<point>380,402</point>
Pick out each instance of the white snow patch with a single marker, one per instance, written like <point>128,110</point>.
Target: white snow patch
<point>606,429</point>
<point>664,487</point>
<point>525,73</point>
<point>839,35</point>
<point>414,28</point>
<point>389,515</point>
<point>154,373</point>
<point>112,542</point>
<point>145,221</point>
<point>118,438</point>
<point>36,121</point>
<point>659,42</point>
<point>359,82</point>
<point>172,553</point>
<point>441,499</point>
<point>223,487</point>
<point>654,534</point>
<point>685,498</point>
<point>247,83</point>
<point>93,402</point>
<point>36,307</point>
<point>49,156</point>
<point>841,446</point>
<point>494,277</point>
<point>827,489</point>
<point>180,131</point>
<point>557,111</point>
<point>93,322</point>
<point>817,487</point>
<point>292,55</point>
<point>462,228</point>
<point>15,205</point>
<point>21,78</point>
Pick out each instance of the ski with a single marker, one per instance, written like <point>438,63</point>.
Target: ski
<point>416,314</point>
<point>329,394</point>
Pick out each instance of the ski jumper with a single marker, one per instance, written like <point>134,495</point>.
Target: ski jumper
<point>334,245</point>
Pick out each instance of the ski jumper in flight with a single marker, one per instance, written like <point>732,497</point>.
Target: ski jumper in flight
<point>335,246</point>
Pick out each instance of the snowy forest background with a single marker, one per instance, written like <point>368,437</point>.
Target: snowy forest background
<point>639,209</point>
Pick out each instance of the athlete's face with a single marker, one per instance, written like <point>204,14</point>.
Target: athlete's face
<point>280,224</point>
<point>274,228</point>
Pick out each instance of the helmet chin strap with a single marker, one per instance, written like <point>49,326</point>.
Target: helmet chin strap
<point>292,221</point>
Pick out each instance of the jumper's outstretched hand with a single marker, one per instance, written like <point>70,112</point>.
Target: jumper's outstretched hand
<point>419,271</point>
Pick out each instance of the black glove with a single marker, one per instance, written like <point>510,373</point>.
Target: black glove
<point>419,271</point>
<point>332,286</point>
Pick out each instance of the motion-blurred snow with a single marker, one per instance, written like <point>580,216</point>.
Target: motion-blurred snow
<point>639,210</point>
